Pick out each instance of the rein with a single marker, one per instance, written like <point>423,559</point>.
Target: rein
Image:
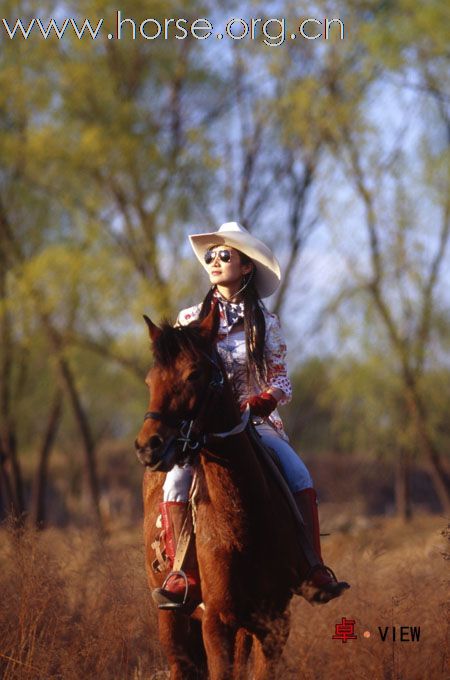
<point>185,427</point>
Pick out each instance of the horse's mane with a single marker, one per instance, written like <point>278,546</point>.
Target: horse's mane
<point>179,340</point>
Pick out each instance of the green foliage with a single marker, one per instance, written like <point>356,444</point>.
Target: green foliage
<point>308,417</point>
<point>399,31</point>
<point>368,415</point>
<point>357,406</point>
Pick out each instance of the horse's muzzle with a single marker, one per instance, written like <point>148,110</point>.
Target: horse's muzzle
<point>157,455</point>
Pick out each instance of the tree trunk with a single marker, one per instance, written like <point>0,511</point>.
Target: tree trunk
<point>402,486</point>
<point>7,501</point>
<point>68,383</point>
<point>38,509</point>
<point>11,471</point>
<point>437,471</point>
<point>86,435</point>
<point>284,285</point>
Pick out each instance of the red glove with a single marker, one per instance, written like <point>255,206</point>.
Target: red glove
<point>261,404</point>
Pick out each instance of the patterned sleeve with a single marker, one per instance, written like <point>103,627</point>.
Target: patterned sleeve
<point>275,354</point>
<point>187,315</point>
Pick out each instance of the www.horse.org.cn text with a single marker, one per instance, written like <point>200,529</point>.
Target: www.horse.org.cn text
<point>272,32</point>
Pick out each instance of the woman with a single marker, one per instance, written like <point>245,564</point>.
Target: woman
<point>242,270</point>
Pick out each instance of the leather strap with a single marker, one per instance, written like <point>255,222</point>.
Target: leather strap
<point>240,427</point>
<point>267,457</point>
<point>184,541</point>
<point>159,564</point>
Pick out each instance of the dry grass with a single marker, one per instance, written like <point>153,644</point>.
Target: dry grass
<point>399,577</point>
<point>75,607</point>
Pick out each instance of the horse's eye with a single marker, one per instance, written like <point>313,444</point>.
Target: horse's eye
<point>195,375</point>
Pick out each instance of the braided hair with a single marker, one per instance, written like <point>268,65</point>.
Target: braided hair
<point>254,321</point>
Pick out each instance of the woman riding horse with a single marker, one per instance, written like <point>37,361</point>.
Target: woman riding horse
<point>242,271</point>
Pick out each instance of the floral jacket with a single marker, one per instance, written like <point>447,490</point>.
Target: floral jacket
<point>231,347</point>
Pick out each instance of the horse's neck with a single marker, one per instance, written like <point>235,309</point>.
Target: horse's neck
<point>232,476</point>
<point>222,414</point>
<point>240,510</point>
<point>235,488</point>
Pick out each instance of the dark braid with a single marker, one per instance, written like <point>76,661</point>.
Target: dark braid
<point>206,304</point>
<point>255,330</point>
<point>254,322</point>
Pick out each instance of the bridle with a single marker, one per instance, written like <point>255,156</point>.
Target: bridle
<point>189,438</point>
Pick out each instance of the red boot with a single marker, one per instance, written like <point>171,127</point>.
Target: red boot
<point>320,584</point>
<point>181,589</point>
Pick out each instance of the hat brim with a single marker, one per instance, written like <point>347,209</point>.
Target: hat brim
<point>267,276</point>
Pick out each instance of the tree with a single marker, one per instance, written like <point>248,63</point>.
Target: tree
<point>397,227</point>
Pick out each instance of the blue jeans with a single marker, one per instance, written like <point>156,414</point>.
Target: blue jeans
<point>178,480</point>
<point>295,471</point>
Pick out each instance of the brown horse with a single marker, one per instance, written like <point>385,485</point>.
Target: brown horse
<point>249,563</point>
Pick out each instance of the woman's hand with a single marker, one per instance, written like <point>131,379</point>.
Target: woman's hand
<point>261,404</point>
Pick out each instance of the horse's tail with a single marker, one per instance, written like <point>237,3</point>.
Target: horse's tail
<point>242,649</point>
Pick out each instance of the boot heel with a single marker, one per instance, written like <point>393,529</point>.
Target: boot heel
<point>167,600</point>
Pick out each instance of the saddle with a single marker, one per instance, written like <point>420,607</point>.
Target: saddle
<point>273,469</point>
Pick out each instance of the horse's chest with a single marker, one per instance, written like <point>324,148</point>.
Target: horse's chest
<point>224,529</point>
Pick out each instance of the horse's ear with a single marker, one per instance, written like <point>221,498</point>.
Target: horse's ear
<point>210,324</point>
<point>153,330</point>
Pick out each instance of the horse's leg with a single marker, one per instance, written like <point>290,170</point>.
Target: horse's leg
<point>177,642</point>
<point>269,648</point>
<point>242,649</point>
<point>219,641</point>
<point>197,649</point>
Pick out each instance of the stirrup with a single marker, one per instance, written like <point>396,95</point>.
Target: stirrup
<point>158,593</point>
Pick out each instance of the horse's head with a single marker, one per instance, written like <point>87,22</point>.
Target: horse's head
<point>181,383</point>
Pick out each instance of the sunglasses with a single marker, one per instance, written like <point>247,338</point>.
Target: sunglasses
<point>224,255</point>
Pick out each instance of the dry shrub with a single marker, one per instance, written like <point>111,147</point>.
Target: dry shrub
<point>399,577</point>
<point>74,607</point>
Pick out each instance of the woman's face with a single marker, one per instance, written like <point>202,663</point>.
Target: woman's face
<point>226,273</point>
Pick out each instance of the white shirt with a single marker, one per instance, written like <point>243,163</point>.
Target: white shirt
<point>232,350</point>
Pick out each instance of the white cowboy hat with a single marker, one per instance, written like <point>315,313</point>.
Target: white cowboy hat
<point>267,274</point>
